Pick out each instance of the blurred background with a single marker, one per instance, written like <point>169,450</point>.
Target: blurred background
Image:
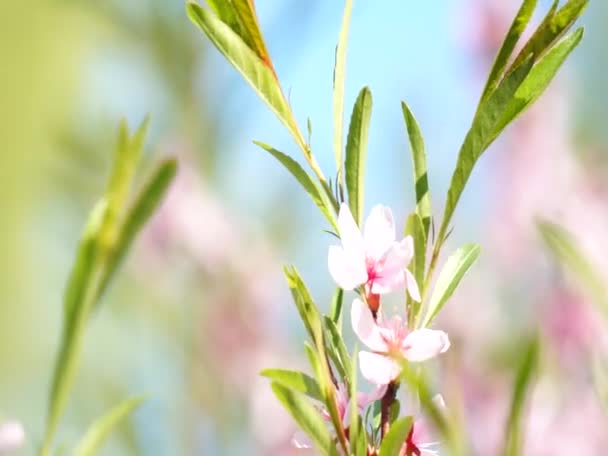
<point>201,306</point>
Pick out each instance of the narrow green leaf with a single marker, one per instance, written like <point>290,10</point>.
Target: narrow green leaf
<point>538,79</point>
<point>336,308</point>
<point>483,131</point>
<point>307,309</point>
<point>250,29</point>
<point>101,429</point>
<point>78,301</point>
<point>227,14</point>
<point>356,433</point>
<point>502,58</point>
<point>449,278</point>
<point>396,436</point>
<point>338,96</point>
<point>256,72</point>
<point>127,156</point>
<point>415,228</point>
<point>307,417</point>
<point>356,152</point>
<point>523,382</point>
<point>337,350</point>
<point>567,251</point>
<point>423,195</point>
<point>319,197</point>
<point>552,28</point>
<point>297,381</point>
<point>147,201</point>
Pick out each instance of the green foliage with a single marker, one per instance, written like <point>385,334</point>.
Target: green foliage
<point>337,350</point>
<point>600,380</point>
<point>509,91</point>
<point>421,181</point>
<point>356,432</point>
<point>338,96</point>
<point>101,429</point>
<point>296,381</point>
<point>304,303</point>
<point>396,436</point>
<point>356,153</point>
<point>538,80</point>
<point>523,382</point>
<point>307,417</point>
<point>415,228</point>
<point>320,198</point>
<point>111,228</point>
<point>567,251</point>
<point>256,71</point>
<point>502,58</point>
<point>336,308</point>
<point>449,278</point>
<point>479,137</point>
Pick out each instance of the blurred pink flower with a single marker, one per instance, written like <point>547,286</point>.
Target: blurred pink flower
<point>392,337</point>
<point>301,440</point>
<point>12,437</point>
<point>374,258</point>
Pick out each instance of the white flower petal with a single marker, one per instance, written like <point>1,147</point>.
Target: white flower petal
<point>350,234</point>
<point>379,232</point>
<point>378,369</point>
<point>365,327</point>
<point>412,286</point>
<point>348,272</point>
<point>424,344</point>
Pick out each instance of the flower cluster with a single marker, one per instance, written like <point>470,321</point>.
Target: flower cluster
<point>374,263</point>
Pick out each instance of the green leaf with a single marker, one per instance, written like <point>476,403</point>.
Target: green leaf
<point>356,433</point>
<point>78,301</point>
<point>538,79</point>
<point>356,153</point>
<point>502,58</point>
<point>449,278</point>
<point>483,131</point>
<point>101,429</point>
<point>523,380</point>
<point>337,350</point>
<point>318,196</point>
<point>256,72</point>
<point>396,436</point>
<point>552,28</point>
<point>297,381</point>
<point>126,159</point>
<point>423,195</point>
<point>567,251</point>
<point>250,29</point>
<point>338,95</point>
<point>145,204</point>
<point>336,308</point>
<point>307,309</point>
<point>415,228</point>
<point>307,417</point>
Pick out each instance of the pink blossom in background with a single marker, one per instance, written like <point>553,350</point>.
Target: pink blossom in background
<point>12,437</point>
<point>372,258</point>
<point>241,304</point>
<point>392,337</point>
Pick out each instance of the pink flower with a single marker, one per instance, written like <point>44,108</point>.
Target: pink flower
<point>12,436</point>
<point>416,443</point>
<point>374,258</point>
<point>301,440</point>
<point>390,338</point>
